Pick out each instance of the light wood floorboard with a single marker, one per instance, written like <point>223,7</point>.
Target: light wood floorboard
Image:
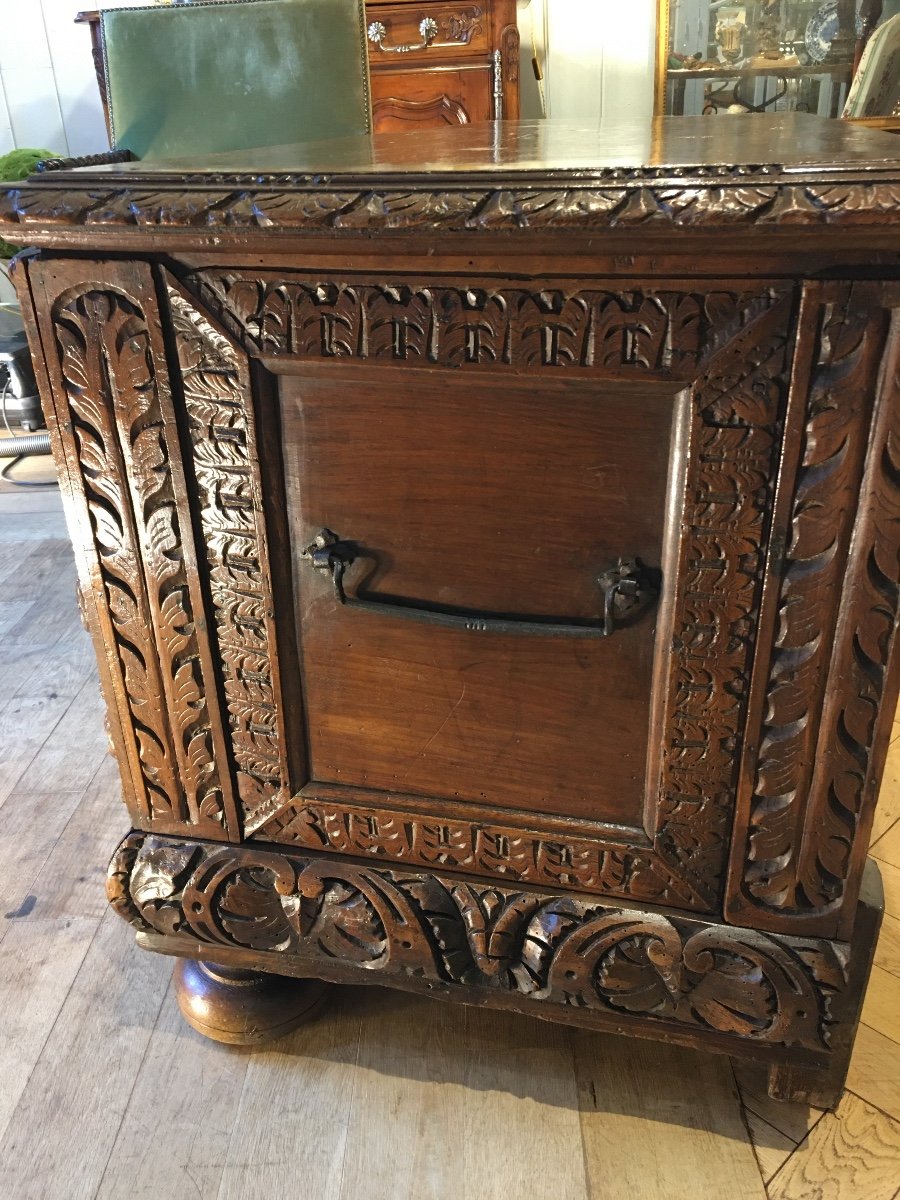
<point>105,1092</point>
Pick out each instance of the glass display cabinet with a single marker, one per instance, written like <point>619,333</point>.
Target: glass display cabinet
<point>760,55</point>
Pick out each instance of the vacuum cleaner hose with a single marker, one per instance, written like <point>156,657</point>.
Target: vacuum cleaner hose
<point>26,443</point>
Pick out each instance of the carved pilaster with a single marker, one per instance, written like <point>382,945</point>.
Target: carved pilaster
<point>827,674</point>
<point>117,430</point>
<point>217,397</point>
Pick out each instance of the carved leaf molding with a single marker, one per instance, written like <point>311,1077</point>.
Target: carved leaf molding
<point>219,411</point>
<point>624,198</point>
<point>120,440</point>
<point>827,677</point>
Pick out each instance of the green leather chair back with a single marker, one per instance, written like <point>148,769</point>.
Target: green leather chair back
<point>204,78</point>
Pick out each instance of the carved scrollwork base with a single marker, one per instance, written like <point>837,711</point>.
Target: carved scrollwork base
<point>562,956</point>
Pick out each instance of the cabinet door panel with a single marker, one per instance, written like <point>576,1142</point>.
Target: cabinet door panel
<point>430,474</point>
<point>494,446</point>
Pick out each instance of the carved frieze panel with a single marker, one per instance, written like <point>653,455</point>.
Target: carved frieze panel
<point>731,475</point>
<point>430,931</point>
<point>798,832</point>
<point>486,324</point>
<point>321,819</point>
<point>116,425</point>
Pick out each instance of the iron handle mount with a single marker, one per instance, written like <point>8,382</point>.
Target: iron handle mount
<point>628,590</point>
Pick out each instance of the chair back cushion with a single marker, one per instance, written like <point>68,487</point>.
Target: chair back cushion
<point>196,79</point>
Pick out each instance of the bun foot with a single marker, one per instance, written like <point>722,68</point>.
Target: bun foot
<point>243,1008</point>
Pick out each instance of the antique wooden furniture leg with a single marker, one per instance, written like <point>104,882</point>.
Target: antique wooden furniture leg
<point>243,1007</point>
<point>822,1089</point>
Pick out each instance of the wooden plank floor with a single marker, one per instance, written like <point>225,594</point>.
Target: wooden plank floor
<point>104,1091</point>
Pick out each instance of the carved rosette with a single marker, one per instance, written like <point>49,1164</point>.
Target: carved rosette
<point>121,434</point>
<point>217,398</point>
<point>424,930</point>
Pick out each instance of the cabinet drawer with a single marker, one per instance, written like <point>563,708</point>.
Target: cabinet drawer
<point>448,96</point>
<point>463,31</point>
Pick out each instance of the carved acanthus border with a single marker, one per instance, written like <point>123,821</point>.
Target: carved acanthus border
<point>425,930</point>
<point>827,674</point>
<point>120,432</point>
<point>217,397</point>
<point>853,737</point>
<point>620,199</point>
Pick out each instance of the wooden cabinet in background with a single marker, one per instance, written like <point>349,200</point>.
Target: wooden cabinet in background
<point>431,63</point>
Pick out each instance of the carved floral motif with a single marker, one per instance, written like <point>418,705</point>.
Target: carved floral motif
<point>219,409</point>
<point>462,26</point>
<point>424,929</point>
<point>124,451</point>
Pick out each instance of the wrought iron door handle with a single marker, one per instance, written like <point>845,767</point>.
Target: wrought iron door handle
<point>628,590</point>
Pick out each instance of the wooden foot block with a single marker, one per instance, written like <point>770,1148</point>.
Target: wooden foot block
<point>242,1007</point>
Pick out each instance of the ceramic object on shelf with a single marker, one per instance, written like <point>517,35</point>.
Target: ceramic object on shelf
<point>822,29</point>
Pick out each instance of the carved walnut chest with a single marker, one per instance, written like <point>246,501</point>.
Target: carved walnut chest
<point>491,549</point>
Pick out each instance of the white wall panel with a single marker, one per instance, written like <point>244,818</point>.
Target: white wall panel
<point>7,141</point>
<point>76,81</point>
<point>599,57</point>
<point>33,105</point>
